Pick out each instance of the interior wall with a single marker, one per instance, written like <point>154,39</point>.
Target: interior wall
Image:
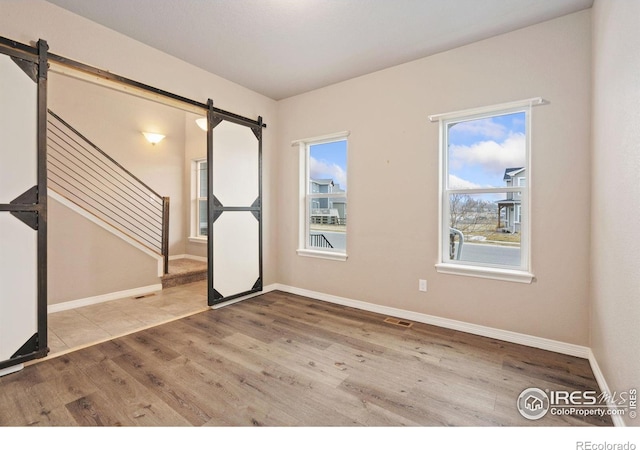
<point>100,264</point>
<point>615,240</point>
<point>77,38</point>
<point>393,180</point>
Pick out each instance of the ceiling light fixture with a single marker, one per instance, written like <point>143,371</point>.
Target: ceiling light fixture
<point>202,123</point>
<point>154,138</point>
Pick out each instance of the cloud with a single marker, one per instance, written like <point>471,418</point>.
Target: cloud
<point>492,157</point>
<point>456,182</point>
<point>486,128</point>
<point>321,169</point>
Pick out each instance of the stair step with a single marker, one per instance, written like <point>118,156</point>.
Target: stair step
<point>184,271</point>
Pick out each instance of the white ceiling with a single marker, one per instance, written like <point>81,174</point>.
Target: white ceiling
<point>282,48</point>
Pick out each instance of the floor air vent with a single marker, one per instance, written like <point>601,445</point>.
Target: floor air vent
<point>144,296</point>
<point>399,322</point>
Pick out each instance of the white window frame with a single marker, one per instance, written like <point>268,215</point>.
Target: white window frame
<point>522,181</point>
<point>195,202</point>
<point>305,196</point>
<point>523,273</point>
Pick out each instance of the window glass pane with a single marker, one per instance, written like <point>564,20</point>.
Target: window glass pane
<point>487,152</point>
<point>328,167</point>
<point>327,224</point>
<point>202,217</point>
<point>202,178</point>
<point>485,228</point>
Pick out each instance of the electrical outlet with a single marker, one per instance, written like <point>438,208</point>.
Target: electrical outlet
<point>422,285</point>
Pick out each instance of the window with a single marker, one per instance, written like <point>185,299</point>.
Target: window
<point>521,183</point>
<point>484,203</point>
<point>323,197</point>
<point>199,228</point>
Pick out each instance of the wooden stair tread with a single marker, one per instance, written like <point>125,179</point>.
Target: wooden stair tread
<point>183,271</point>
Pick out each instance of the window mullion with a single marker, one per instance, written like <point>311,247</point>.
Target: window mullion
<point>498,190</point>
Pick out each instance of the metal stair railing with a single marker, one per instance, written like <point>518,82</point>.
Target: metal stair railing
<point>319,240</point>
<point>85,175</point>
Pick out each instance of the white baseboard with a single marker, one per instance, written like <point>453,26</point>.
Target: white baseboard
<point>618,421</point>
<point>103,298</point>
<point>12,369</point>
<point>480,330</point>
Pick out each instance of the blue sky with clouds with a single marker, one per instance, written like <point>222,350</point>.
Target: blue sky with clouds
<point>480,150</point>
<point>329,161</point>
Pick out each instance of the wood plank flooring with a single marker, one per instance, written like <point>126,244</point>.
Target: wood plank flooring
<point>284,360</point>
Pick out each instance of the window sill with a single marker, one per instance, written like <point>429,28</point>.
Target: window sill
<point>516,276</point>
<point>323,255</point>
<point>197,240</point>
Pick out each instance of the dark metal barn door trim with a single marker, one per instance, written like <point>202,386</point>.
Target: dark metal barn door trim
<point>176,99</point>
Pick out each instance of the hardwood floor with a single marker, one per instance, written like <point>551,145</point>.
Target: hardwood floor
<point>285,360</point>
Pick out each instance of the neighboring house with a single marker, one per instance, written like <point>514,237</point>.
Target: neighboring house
<point>509,220</point>
<point>327,210</point>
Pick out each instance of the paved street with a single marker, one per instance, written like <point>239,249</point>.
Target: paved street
<point>486,253</point>
<point>492,254</point>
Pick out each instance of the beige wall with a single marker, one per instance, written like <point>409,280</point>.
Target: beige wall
<point>615,240</point>
<point>99,263</point>
<point>74,37</point>
<point>393,180</point>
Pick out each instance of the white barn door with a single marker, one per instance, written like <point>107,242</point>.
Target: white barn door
<point>235,209</point>
<point>22,205</point>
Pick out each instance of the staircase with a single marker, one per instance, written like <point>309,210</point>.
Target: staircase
<point>184,271</point>
<point>86,176</point>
